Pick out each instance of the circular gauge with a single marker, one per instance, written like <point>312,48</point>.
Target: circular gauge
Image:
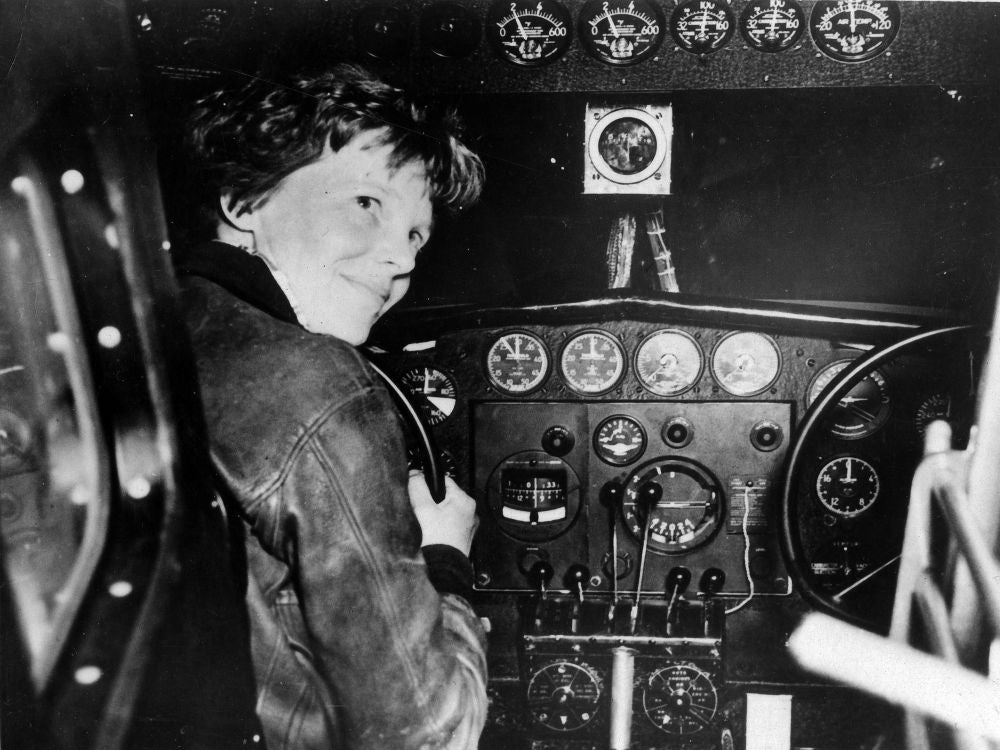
<point>772,25</point>
<point>449,30</point>
<point>863,410</point>
<point>435,392</point>
<point>668,362</point>
<point>592,362</point>
<point>529,32</point>
<point>619,440</point>
<point>679,699</point>
<point>620,32</point>
<point>627,145</point>
<point>847,486</point>
<point>564,696</point>
<point>745,364</point>
<point>517,363</point>
<point>937,406</point>
<point>702,26</point>
<point>382,31</point>
<point>853,30</point>
<point>688,510</point>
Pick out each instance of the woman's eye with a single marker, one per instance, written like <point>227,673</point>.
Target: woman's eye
<point>366,202</point>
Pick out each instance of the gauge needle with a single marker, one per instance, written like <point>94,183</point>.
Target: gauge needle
<point>850,471</point>
<point>427,380</point>
<point>520,27</point>
<point>863,413</point>
<point>614,26</point>
<point>844,592</point>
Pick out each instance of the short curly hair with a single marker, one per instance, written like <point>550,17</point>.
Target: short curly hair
<point>244,140</point>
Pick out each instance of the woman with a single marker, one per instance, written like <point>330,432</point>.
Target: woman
<point>324,191</point>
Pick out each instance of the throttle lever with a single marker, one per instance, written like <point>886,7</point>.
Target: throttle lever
<point>576,579</point>
<point>611,498</point>
<point>677,582</point>
<point>711,583</point>
<point>648,496</point>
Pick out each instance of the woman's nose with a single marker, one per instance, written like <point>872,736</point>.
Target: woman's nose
<point>399,249</point>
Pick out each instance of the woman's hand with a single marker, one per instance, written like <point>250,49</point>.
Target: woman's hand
<point>453,521</point>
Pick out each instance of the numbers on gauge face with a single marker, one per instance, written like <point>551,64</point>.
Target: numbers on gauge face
<point>938,406</point>
<point>529,32</point>
<point>847,486</point>
<point>592,362</point>
<point>687,513</point>
<point>680,699</point>
<point>702,26</point>
<point>564,696</point>
<point>863,410</point>
<point>434,390</point>
<point>668,362</point>
<point>772,25</point>
<point>745,364</point>
<point>619,440</point>
<point>517,363</point>
<point>621,32</point>
<point>854,30</point>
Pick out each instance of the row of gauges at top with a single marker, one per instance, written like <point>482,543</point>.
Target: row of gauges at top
<point>623,32</point>
<point>666,362</point>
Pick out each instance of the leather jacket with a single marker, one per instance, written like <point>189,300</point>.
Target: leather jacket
<point>352,644</point>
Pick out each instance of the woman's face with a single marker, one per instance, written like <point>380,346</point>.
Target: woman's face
<point>345,232</point>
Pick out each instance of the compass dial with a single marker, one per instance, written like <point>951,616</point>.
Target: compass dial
<point>772,25</point>
<point>434,392</point>
<point>854,30</point>
<point>529,32</point>
<point>621,32</point>
<point>702,26</point>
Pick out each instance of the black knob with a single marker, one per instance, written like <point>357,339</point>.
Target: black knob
<point>611,495</point>
<point>677,581</point>
<point>577,577</point>
<point>558,441</point>
<point>711,581</point>
<point>540,574</point>
<point>648,496</point>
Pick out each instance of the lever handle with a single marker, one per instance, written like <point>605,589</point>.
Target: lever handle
<point>540,574</point>
<point>648,496</point>
<point>577,578</point>
<point>712,581</point>
<point>677,581</point>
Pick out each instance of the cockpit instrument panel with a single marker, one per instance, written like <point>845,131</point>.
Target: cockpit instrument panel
<point>772,25</point>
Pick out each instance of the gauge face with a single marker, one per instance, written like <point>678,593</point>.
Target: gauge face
<point>529,32</point>
<point>937,406</point>
<point>434,391</point>
<point>772,25</point>
<point>382,31</point>
<point>680,699</point>
<point>564,696</point>
<point>592,362</point>
<point>745,364</point>
<point>687,512</point>
<point>517,363</point>
<point>847,486</point>
<point>702,26</point>
<point>862,411</point>
<point>854,30</point>
<point>668,362</point>
<point>619,440</point>
<point>620,32</point>
<point>450,30</point>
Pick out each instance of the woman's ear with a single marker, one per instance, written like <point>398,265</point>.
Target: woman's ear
<point>238,214</point>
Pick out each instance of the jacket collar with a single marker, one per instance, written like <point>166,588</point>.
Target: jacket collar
<point>244,275</point>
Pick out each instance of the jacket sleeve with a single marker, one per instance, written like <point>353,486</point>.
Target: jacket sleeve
<point>405,663</point>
